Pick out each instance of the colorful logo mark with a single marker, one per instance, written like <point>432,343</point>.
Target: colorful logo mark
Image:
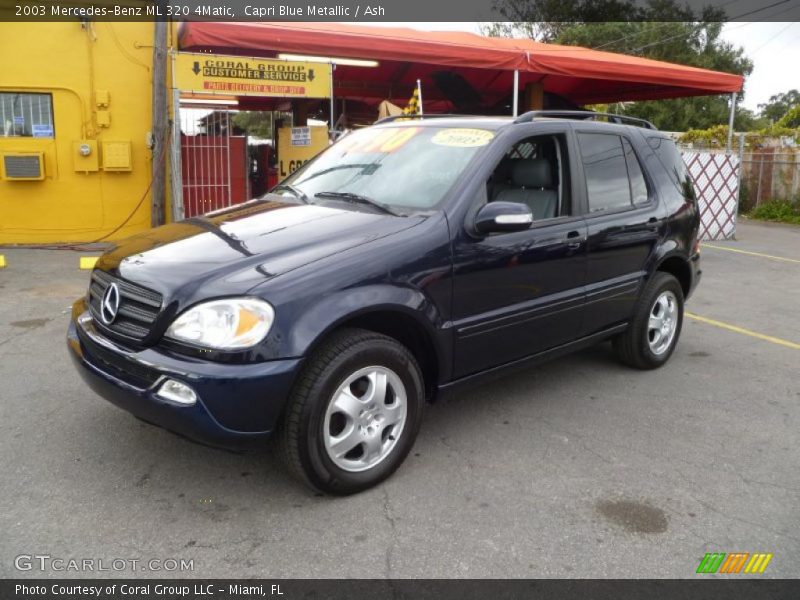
<point>719,562</point>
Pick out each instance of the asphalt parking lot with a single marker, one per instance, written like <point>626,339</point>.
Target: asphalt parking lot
<point>580,468</point>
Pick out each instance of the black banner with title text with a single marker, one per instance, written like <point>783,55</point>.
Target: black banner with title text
<point>367,11</point>
<point>398,589</point>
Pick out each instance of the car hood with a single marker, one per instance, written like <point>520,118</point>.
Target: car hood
<point>233,250</point>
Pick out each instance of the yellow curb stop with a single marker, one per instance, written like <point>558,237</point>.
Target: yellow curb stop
<point>2,262</point>
<point>87,263</point>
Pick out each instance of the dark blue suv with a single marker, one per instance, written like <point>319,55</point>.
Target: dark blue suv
<point>408,259</point>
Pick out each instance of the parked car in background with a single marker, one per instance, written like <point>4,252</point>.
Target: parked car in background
<point>407,260</point>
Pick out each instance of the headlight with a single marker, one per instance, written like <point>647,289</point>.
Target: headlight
<point>229,324</point>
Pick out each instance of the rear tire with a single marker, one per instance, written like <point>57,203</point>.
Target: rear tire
<point>353,414</point>
<point>653,332</point>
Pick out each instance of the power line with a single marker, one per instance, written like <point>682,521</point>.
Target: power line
<point>682,34</point>
<point>746,14</point>
<point>772,39</point>
<point>662,26</point>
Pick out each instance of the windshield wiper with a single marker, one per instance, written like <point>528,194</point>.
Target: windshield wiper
<point>295,191</point>
<point>359,199</point>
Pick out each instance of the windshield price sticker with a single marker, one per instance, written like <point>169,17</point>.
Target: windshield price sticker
<point>384,142</point>
<point>462,138</point>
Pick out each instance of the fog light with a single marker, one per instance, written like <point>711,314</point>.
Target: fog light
<point>177,392</point>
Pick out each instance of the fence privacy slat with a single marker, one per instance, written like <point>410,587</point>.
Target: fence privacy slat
<point>716,184</point>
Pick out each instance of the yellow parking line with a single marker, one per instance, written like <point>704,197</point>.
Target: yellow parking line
<point>87,262</point>
<point>743,331</point>
<point>760,254</point>
<point>2,261</point>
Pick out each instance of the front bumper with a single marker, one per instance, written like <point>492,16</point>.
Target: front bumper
<point>237,403</point>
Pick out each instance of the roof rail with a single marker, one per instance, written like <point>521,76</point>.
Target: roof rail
<point>582,114</point>
<point>391,118</point>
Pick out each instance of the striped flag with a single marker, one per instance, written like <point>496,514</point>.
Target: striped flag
<point>414,106</point>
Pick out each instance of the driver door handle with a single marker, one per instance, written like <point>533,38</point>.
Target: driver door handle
<point>575,240</point>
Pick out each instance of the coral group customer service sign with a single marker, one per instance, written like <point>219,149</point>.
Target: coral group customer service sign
<point>241,76</point>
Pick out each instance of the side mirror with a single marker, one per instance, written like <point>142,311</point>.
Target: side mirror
<point>503,216</point>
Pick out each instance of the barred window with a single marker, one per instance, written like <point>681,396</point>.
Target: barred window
<point>26,115</point>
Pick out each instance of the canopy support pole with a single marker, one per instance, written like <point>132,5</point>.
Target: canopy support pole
<point>332,132</point>
<point>515,97</point>
<point>730,123</point>
<point>419,96</point>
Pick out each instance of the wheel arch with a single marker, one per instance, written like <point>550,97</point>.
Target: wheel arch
<point>403,314</point>
<point>677,265</point>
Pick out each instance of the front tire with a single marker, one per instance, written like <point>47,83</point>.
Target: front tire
<point>655,328</point>
<point>354,413</point>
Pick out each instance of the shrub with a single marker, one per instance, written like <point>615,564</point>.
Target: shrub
<point>745,202</point>
<point>778,210</point>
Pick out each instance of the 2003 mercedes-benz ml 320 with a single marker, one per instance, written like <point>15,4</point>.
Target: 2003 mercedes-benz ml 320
<point>407,259</point>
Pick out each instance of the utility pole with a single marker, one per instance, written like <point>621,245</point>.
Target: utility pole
<point>159,132</point>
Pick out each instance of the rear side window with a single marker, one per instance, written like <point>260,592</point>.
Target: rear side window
<point>672,161</point>
<point>638,184</point>
<point>614,177</point>
<point>606,171</point>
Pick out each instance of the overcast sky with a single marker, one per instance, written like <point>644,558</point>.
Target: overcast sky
<point>774,49</point>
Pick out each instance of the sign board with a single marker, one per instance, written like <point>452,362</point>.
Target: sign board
<point>42,130</point>
<point>241,76</point>
<point>301,136</point>
<point>292,156</point>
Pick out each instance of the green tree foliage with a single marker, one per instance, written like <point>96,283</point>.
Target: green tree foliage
<point>779,105</point>
<point>661,30</point>
<point>791,119</point>
<point>256,124</point>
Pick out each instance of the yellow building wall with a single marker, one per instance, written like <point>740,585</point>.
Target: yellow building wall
<point>73,63</point>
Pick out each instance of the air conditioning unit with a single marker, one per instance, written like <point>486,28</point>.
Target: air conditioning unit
<point>23,166</point>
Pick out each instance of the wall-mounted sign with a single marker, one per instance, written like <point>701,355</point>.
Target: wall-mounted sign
<point>241,76</point>
<point>292,156</point>
<point>301,136</point>
<point>42,130</point>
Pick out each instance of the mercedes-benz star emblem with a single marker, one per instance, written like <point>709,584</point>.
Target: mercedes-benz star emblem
<point>110,304</point>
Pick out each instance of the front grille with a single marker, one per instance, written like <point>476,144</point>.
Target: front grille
<point>138,306</point>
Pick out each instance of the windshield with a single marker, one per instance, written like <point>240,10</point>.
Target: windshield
<point>405,168</point>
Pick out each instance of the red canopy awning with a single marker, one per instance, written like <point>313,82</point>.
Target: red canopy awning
<point>448,60</point>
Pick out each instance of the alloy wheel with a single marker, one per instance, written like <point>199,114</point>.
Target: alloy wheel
<point>663,322</point>
<point>365,418</point>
